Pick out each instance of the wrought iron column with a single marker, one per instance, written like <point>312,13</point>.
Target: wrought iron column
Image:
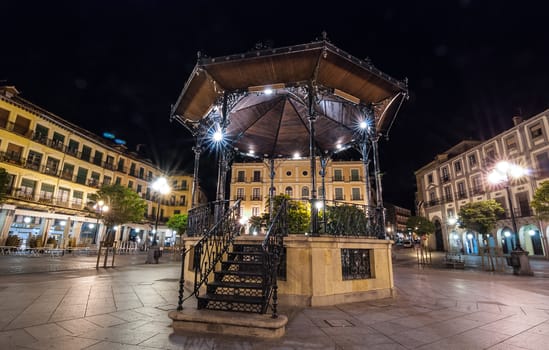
<point>323,164</point>
<point>380,211</point>
<point>197,150</point>
<point>314,209</point>
<point>367,184</point>
<point>271,190</point>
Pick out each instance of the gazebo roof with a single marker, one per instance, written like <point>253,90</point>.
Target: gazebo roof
<point>276,124</point>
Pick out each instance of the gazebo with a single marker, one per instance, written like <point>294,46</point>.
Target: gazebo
<point>314,100</point>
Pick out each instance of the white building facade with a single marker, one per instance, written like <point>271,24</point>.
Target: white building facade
<point>459,176</point>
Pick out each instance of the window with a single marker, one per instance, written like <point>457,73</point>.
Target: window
<point>472,160</point>
<point>448,193</point>
<point>257,176</point>
<point>289,191</point>
<point>121,165</point>
<point>109,162</point>
<point>4,116</point>
<point>321,192</point>
<point>132,169</point>
<point>68,171</point>
<point>149,176</point>
<point>52,166</point>
<point>77,197</point>
<point>255,211</point>
<point>72,148</point>
<point>354,175</point>
<point>98,158</point>
<point>82,175</point>
<point>58,140</point>
<point>457,166</point>
<point>511,143</point>
<point>21,125</point>
<point>432,197</point>
<point>182,200</point>
<point>94,179</point>
<point>430,178</point>
<point>14,152</point>
<point>288,173</point>
<point>543,164</point>
<point>338,194</point>
<point>445,174</point>
<point>304,173</point>
<point>183,185</point>
<point>462,193</point>
<point>451,213</point>
<point>338,175</point>
<point>305,192</point>
<point>33,160</point>
<point>477,185</point>
<point>240,193</point>
<point>27,187</point>
<point>40,133</point>
<point>141,173</point>
<point>536,131</point>
<point>256,194</point>
<point>355,193</point>
<point>139,188</point>
<point>130,184</point>
<point>241,176</point>
<point>86,153</point>
<point>46,192</point>
<point>63,195</point>
<point>118,180</point>
<point>107,180</point>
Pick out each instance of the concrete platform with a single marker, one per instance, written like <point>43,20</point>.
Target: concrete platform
<point>228,323</point>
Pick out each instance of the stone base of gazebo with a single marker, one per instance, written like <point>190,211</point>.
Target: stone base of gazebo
<point>228,323</point>
<point>320,271</point>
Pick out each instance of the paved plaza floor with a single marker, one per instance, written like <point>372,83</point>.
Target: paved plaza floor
<point>126,307</point>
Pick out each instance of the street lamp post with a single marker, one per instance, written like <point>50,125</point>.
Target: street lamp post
<point>502,174</point>
<point>100,207</point>
<point>160,185</point>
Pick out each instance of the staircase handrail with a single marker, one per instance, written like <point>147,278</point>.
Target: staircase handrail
<point>272,247</point>
<point>212,246</point>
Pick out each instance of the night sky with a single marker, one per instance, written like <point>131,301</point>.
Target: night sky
<point>118,66</point>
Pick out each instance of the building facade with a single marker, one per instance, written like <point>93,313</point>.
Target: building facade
<point>54,166</point>
<point>344,181</point>
<point>460,176</point>
<point>396,219</point>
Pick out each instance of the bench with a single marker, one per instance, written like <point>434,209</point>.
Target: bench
<point>454,260</point>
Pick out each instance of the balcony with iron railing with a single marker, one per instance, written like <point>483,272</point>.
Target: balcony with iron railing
<point>44,198</point>
<point>60,146</point>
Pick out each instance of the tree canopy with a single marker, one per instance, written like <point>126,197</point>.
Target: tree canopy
<point>420,225</point>
<point>480,216</point>
<point>540,203</point>
<point>124,205</point>
<point>178,222</point>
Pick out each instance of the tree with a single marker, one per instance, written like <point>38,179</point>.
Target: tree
<point>420,225</point>
<point>540,203</point>
<point>4,178</point>
<point>480,216</point>
<point>178,222</point>
<point>124,206</point>
<point>299,216</point>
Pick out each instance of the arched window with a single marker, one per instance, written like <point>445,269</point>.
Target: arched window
<point>289,191</point>
<point>305,192</point>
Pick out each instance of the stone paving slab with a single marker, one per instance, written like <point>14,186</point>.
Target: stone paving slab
<point>127,308</point>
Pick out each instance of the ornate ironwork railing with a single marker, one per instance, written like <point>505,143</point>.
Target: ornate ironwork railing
<point>209,250</point>
<point>272,251</point>
<point>200,219</point>
<point>355,264</point>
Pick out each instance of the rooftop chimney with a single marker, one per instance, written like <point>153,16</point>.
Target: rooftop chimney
<point>517,120</point>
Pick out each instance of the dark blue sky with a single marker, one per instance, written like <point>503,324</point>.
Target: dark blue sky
<point>119,65</point>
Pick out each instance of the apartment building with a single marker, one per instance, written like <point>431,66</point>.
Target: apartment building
<point>460,175</point>
<point>395,221</point>
<point>250,181</point>
<point>54,166</point>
